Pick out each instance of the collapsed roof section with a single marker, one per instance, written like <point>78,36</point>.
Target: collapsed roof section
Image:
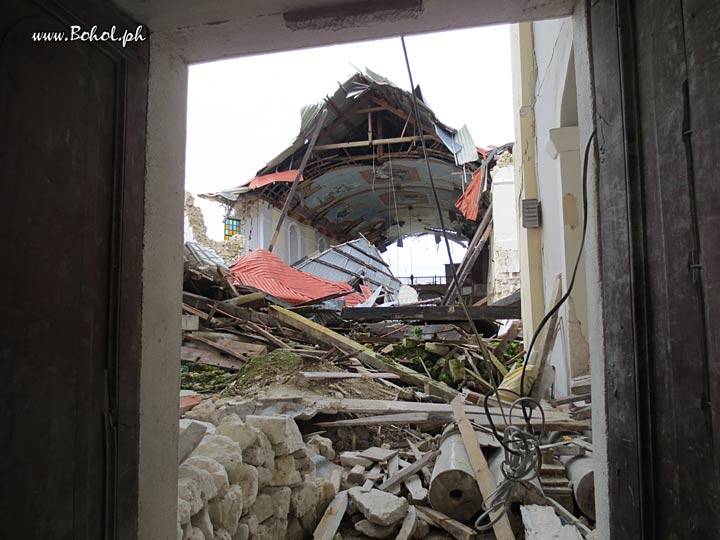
<point>367,173</point>
<point>355,260</point>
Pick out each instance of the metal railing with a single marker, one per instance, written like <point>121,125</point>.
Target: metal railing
<point>423,280</point>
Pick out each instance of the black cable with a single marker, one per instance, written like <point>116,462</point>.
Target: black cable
<point>442,224</point>
<point>564,297</point>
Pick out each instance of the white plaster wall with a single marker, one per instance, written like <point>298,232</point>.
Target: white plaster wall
<point>553,44</point>
<point>504,271</point>
<point>161,305</point>
<point>258,222</point>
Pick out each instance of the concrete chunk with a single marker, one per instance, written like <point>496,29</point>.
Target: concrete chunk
<point>379,507</point>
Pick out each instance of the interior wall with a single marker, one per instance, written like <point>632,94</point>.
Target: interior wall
<point>258,222</point>
<point>162,292</point>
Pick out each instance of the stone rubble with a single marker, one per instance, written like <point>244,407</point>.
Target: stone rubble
<point>248,477</point>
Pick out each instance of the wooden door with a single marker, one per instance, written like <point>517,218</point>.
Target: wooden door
<point>72,145</point>
<point>657,71</point>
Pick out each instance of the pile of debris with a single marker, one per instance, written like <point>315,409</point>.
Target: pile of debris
<point>371,430</point>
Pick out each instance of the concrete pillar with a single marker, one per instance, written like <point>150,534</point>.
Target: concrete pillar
<point>564,146</point>
<point>161,305</point>
<point>526,185</point>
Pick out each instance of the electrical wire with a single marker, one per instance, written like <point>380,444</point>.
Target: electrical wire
<point>436,199</point>
<point>565,296</point>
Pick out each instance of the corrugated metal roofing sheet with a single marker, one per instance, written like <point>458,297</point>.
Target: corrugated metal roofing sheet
<point>265,271</point>
<point>470,200</point>
<point>354,259</point>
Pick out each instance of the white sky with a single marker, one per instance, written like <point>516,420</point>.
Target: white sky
<point>243,112</point>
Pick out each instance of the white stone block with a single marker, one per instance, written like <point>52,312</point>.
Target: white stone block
<point>304,498</point>
<point>225,511</point>
<point>224,450</point>
<point>285,473</point>
<point>260,453</point>
<point>280,497</point>
<point>248,481</point>
<point>189,491</point>
<point>282,431</point>
<point>240,432</point>
<point>202,477</point>
<point>216,470</point>
<point>379,507</point>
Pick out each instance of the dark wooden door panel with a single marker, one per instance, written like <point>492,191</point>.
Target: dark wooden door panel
<point>70,223</point>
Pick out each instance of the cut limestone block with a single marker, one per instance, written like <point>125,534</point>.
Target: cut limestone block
<point>224,450</point>
<point>225,511</point>
<point>240,432</point>
<point>241,408</point>
<point>326,493</point>
<point>188,439</point>
<point>310,519</point>
<point>285,473</point>
<point>282,431</point>
<point>303,499</point>
<point>201,520</point>
<point>264,507</point>
<point>260,453</point>
<point>379,507</point>
<point>375,453</point>
<point>251,522</point>
<point>216,470</point>
<point>322,446</point>
<point>189,491</point>
<point>280,497</point>
<point>184,511</point>
<point>203,478</point>
<point>205,412</point>
<point>372,530</point>
<point>264,477</point>
<point>271,529</point>
<point>242,533</point>
<point>248,481</point>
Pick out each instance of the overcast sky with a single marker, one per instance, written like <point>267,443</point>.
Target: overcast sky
<point>243,112</point>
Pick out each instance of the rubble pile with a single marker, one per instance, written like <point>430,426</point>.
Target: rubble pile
<point>302,422</point>
<point>243,476</point>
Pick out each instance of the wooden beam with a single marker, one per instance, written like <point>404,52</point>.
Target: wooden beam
<point>458,530</point>
<point>429,313</point>
<point>408,471</point>
<point>320,334</point>
<point>486,481</point>
<point>370,142</point>
<point>332,517</point>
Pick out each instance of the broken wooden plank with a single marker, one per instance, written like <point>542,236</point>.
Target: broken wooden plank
<point>332,517</point>
<point>429,313</point>
<point>375,453</point>
<point>346,375</point>
<point>407,529</point>
<point>449,525</point>
<point>403,412</point>
<point>217,346</point>
<point>402,474</point>
<point>417,493</point>
<point>328,337</point>
<point>255,300</point>
<point>545,344</point>
<point>483,476</point>
<point>416,452</point>
<point>189,354</point>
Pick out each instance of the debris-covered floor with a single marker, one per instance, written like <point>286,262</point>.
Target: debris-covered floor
<point>328,429</point>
